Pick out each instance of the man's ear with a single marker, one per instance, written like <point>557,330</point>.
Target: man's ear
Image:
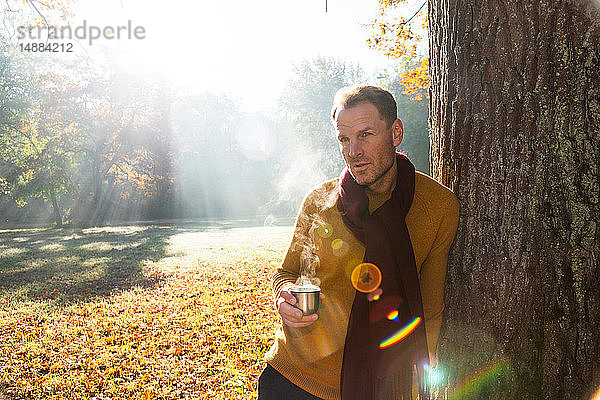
<point>397,132</point>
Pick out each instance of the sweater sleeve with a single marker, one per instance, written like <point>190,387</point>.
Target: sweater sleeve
<point>289,270</point>
<point>433,273</point>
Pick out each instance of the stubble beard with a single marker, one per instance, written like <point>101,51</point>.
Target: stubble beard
<point>376,178</point>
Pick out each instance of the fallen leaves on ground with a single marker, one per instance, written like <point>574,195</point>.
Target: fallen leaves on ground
<point>199,332</point>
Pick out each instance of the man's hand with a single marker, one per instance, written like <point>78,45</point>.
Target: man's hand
<point>290,315</point>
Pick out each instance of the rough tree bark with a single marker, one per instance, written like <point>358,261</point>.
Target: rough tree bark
<point>515,132</point>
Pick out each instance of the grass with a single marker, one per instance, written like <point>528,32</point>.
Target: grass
<point>136,312</point>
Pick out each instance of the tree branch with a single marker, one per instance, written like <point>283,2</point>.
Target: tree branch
<point>41,15</point>
<point>415,14</point>
<point>411,18</point>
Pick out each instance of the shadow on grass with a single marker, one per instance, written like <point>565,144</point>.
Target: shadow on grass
<point>69,266</point>
<point>64,266</point>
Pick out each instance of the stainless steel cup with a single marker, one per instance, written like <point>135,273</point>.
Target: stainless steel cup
<point>307,298</point>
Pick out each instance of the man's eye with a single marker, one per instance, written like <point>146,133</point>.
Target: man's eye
<point>343,139</point>
<point>366,133</point>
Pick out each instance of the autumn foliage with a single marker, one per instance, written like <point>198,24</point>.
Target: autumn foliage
<point>136,312</point>
<point>416,79</point>
<point>400,37</point>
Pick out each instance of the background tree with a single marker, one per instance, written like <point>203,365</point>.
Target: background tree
<point>39,139</point>
<point>125,159</point>
<point>310,152</point>
<point>413,110</point>
<point>207,164</point>
<point>306,107</point>
<point>16,92</point>
<point>515,125</point>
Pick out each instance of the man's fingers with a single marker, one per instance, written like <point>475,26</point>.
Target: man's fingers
<point>290,315</point>
<point>293,317</point>
<point>298,325</point>
<point>288,296</point>
<point>302,322</point>
<point>289,312</point>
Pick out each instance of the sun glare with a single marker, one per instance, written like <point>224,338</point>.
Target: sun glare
<point>244,49</point>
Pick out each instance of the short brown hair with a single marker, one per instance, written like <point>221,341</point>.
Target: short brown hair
<point>382,99</point>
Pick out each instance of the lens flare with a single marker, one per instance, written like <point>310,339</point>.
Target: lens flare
<point>382,308</point>
<point>401,334</point>
<point>434,376</point>
<point>393,316</point>
<point>366,277</point>
<point>481,378</point>
<point>340,248</point>
<point>376,297</point>
<point>325,230</point>
<point>337,244</point>
<point>350,265</point>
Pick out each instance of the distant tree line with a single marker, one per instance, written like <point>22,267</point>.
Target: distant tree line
<point>90,147</point>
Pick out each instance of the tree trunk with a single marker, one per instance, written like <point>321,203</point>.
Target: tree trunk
<point>56,209</point>
<point>515,132</point>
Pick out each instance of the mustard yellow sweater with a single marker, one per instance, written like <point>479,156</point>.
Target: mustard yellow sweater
<point>311,357</point>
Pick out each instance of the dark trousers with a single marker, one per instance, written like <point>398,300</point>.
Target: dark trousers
<point>274,386</point>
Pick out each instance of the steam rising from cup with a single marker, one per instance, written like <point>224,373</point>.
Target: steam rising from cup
<point>314,226</point>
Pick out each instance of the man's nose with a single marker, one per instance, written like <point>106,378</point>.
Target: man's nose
<point>355,149</point>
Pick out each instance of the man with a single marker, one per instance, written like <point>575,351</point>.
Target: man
<point>380,218</point>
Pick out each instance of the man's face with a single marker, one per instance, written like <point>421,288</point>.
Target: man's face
<point>367,144</point>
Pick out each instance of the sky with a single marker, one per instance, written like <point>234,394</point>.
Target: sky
<point>245,49</point>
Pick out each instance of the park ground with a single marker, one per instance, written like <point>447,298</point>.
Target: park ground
<point>141,312</point>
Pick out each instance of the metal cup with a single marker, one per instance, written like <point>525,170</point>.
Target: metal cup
<point>307,298</point>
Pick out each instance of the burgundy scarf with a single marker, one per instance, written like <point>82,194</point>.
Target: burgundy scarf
<point>369,372</point>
